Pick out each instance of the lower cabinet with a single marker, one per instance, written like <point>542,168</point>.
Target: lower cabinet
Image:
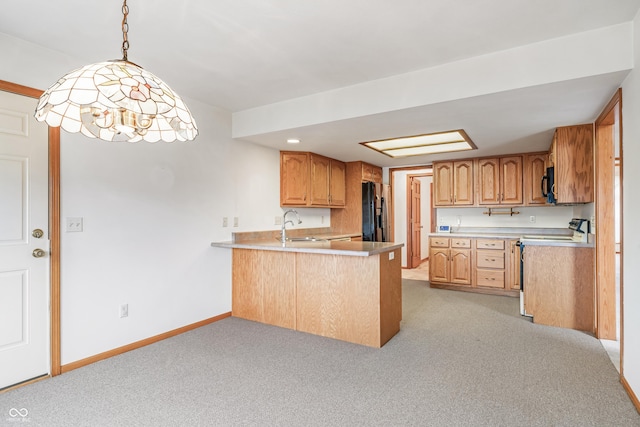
<point>490,263</point>
<point>474,264</point>
<point>357,299</point>
<point>450,260</point>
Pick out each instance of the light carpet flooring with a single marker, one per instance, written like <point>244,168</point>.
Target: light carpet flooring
<point>460,359</point>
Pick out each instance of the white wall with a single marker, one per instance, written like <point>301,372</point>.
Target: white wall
<point>150,213</point>
<point>631,206</point>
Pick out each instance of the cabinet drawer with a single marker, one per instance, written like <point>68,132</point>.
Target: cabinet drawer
<point>489,244</point>
<point>490,278</point>
<point>489,259</point>
<point>439,242</point>
<point>461,243</point>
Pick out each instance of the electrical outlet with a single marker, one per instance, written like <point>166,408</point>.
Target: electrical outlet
<point>235,221</point>
<point>532,218</point>
<point>322,219</point>
<point>278,220</point>
<point>225,221</point>
<point>74,224</point>
<point>124,310</point>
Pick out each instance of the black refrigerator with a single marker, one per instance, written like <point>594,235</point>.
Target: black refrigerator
<point>374,212</point>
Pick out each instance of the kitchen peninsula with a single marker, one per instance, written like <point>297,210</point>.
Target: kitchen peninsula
<point>347,290</point>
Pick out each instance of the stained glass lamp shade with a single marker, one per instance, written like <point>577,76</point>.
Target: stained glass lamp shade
<point>117,101</point>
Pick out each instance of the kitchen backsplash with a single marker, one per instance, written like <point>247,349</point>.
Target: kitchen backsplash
<point>529,217</point>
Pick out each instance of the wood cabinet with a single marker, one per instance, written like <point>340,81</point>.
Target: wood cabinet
<point>534,168</point>
<point>571,155</point>
<point>294,178</point>
<point>453,183</point>
<point>349,219</point>
<point>559,286</point>
<point>490,263</point>
<point>351,298</point>
<point>254,296</point>
<point>371,173</point>
<point>450,260</point>
<point>474,265</point>
<point>499,180</point>
<point>311,180</point>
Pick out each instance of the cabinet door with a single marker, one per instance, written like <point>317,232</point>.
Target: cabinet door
<point>514,266</point>
<point>439,265</point>
<point>377,175</point>
<point>535,167</point>
<point>489,181</point>
<point>573,169</point>
<point>294,178</point>
<point>463,182</point>
<point>320,170</point>
<point>511,180</point>
<point>460,266</point>
<point>443,183</point>
<point>337,184</point>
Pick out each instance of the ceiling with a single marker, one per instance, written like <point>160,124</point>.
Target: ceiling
<point>244,55</point>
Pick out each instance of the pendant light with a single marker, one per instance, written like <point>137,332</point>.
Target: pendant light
<point>117,100</point>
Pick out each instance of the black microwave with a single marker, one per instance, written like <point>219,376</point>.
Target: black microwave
<point>546,185</point>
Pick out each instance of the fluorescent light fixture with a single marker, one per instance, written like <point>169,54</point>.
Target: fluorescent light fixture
<point>420,145</point>
<point>293,141</point>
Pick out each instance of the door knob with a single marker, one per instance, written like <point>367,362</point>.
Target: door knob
<point>38,253</point>
<point>37,233</point>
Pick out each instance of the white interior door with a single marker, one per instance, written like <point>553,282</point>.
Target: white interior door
<point>24,271</point>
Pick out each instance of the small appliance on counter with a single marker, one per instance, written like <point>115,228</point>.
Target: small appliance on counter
<point>444,229</point>
<point>581,228</point>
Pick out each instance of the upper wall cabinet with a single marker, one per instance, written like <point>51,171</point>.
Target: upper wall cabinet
<point>371,173</point>
<point>294,178</point>
<point>499,181</point>
<point>453,183</point>
<point>535,168</point>
<point>571,155</point>
<point>311,180</point>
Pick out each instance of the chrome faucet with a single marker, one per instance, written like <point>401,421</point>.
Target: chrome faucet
<point>283,235</point>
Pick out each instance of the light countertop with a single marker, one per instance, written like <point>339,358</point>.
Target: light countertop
<point>518,233</point>
<point>327,247</point>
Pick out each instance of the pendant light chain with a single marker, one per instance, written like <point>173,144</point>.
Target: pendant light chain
<point>125,30</point>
